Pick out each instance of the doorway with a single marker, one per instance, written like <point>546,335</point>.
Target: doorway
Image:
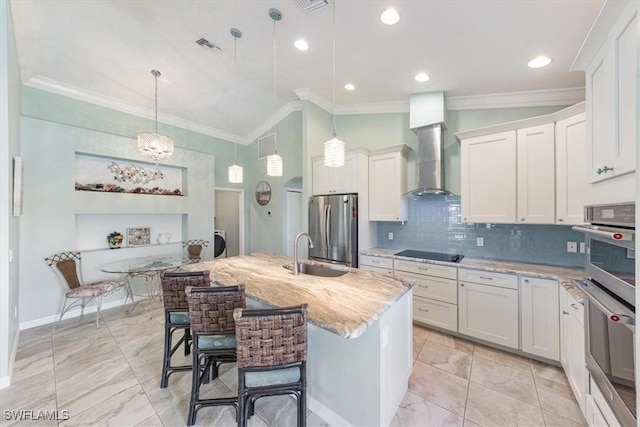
<point>229,217</point>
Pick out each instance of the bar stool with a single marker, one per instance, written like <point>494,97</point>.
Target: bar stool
<point>214,339</point>
<point>176,316</point>
<point>271,357</point>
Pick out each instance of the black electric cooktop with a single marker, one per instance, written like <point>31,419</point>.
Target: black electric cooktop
<point>436,256</point>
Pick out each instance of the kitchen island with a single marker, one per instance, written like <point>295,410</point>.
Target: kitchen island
<point>359,332</point>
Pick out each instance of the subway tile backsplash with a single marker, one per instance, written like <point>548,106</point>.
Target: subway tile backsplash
<point>434,224</point>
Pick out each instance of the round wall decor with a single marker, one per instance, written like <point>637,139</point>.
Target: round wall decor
<point>263,193</point>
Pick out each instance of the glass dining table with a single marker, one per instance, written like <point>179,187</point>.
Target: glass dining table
<point>149,268</point>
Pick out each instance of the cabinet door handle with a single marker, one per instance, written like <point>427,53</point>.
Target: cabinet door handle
<point>575,307</point>
<point>604,169</point>
<point>526,280</point>
<point>462,285</point>
<point>424,286</point>
<point>560,219</point>
<point>423,268</point>
<point>486,278</point>
<point>565,312</point>
<point>422,309</point>
<point>464,219</point>
<point>521,219</point>
<point>375,262</point>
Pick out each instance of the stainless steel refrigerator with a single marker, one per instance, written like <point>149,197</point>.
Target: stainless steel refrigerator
<point>333,226</point>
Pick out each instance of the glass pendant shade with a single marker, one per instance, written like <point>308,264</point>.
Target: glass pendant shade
<point>235,174</point>
<point>155,146</point>
<point>274,165</point>
<point>334,153</point>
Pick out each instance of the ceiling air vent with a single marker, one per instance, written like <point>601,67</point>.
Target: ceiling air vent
<point>266,146</point>
<point>312,5</point>
<point>202,42</point>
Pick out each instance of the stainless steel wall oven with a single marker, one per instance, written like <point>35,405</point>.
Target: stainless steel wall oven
<point>610,305</point>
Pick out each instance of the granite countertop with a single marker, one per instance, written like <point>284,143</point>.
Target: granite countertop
<point>563,274</point>
<point>344,305</point>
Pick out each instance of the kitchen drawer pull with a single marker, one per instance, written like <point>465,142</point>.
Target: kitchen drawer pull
<point>575,307</point>
<point>423,309</point>
<point>604,169</point>
<point>375,262</point>
<point>423,286</point>
<point>526,280</point>
<point>423,268</point>
<point>565,312</point>
<point>486,278</point>
<point>462,285</point>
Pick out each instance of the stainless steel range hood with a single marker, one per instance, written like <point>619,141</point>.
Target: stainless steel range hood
<point>427,119</point>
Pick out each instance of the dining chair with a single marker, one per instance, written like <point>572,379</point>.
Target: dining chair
<point>176,316</point>
<point>214,342</point>
<point>195,249</point>
<point>271,357</point>
<point>68,270</point>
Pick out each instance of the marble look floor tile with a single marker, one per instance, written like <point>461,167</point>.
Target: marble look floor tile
<point>230,375</point>
<point>123,332</point>
<point>152,421</point>
<point>85,357</point>
<point>555,420</point>
<point>486,407</point>
<point>442,388</point>
<point>549,372</point>
<point>446,358</point>
<point>420,333</point>
<point>81,390</point>
<point>34,333</point>
<point>125,408</point>
<point>558,399</point>
<point>468,423</point>
<point>162,398</point>
<point>45,404</point>
<point>36,360</point>
<point>451,341</point>
<point>516,383</point>
<point>254,421</point>
<point>418,412</point>
<point>30,393</point>
<point>313,420</point>
<point>502,357</point>
<point>278,410</point>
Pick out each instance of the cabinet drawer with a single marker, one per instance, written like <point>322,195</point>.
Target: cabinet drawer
<point>435,313</point>
<point>574,308</point>
<point>425,268</point>
<point>376,261</point>
<point>377,269</point>
<point>437,288</point>
<point>501,280</point>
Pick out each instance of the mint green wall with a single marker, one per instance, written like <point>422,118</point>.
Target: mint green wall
<point>10,97</point>
<point>375,130</point>
<point>266,223</point>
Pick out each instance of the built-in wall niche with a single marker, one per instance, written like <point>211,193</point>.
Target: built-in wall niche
<point>92,230</point>
<point>113,175</point>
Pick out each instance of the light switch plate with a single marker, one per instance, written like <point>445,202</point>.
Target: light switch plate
<point>582,247</point>
<point>480,241</point>
<point>391,235</point>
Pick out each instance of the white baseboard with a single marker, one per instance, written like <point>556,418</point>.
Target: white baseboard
<point>326,414</point>
<point>68,315</point>
<point>6,381</point>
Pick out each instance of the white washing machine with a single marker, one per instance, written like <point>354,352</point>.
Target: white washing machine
<point>220,244</point>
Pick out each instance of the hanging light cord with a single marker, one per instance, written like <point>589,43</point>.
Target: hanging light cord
<point>235,64</point>
<point>275,139</point>
<point>334,68</point>
<point>156,95</point>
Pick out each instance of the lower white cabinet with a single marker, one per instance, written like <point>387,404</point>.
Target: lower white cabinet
<point>377,264</point>
<point>436,313</point>
<point>598,413</point>
<point>539,317</point>
<point>488,312</point>
<point>572,348</point>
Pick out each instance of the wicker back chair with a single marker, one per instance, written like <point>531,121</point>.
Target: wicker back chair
<point>271,357</point>
<point>214,342</point>
<point>176,316</point>
<point>68,270</point>
<point>194,250</point>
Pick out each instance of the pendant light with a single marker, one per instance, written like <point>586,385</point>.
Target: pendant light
<point>235,171</point>
<point>334,148</point>
<point>153,145</point>
<point>274,161</point>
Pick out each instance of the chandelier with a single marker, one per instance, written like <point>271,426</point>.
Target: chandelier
<point>153,145</point>
<point>274,161</point>
<point>235,170</point>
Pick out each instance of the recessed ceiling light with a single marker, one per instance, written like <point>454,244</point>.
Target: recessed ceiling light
<point>539,62</point>
<point>390,16</point>
<point>422,77</point>
<point>301,44</point>
<point>349,86</point>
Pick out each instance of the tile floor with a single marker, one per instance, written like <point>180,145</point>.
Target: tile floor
<point>111,377</point>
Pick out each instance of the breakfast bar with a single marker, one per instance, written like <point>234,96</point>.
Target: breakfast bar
<point>359,332</point>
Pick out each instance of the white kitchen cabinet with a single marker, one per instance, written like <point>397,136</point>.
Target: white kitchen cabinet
<point>387,184</point>
<point>572,346</point>
<point>535,175</point>
<point>592,414</point>
<point>435,295</point>
<point>488,312</point>
<point>376,264</point>
<point>540,317</point>
<point>326,180</point>
<point>570,170</point>
<point>598,411</point>
<point>609,59</point>
<point>488,178</point>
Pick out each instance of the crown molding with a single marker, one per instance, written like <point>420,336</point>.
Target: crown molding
<point>263,127</point>
<point>534,98</point>
<point>307,94</point>
<point>374,108</point>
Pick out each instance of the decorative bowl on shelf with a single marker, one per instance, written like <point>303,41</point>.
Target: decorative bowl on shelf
<point>115,240</point>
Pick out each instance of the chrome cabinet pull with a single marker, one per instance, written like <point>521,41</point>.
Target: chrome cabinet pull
<point>424,286</point>
<point>565,312</point>
<point>526,280</point>
<point>422,309</point>
<point>486,278</point>
<point>423,268</point>
<point>560,219</point>
<point>604,169</point>
<point>575,307</point>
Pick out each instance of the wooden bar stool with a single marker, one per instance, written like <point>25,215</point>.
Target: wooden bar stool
<point>271,357</point>
<point>214,339</point>
<point>176,316</point>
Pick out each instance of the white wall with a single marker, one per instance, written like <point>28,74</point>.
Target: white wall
<point>10,104</point>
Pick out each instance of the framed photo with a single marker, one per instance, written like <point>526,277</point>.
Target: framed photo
<point>263,193</point>
<point>138,236</point>
<point>17,186</point>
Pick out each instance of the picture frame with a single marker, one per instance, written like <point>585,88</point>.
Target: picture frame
<point>138,236</point>
<point>17,186</point>
<point>263,193</point>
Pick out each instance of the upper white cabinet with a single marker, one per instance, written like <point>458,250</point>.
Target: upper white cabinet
<point>387,184</point>
<point>539,317</point>
<point>535,174</point>
<point>326,180</point>
<point>488,171</point>
<point>570,170</point>
<point>609,59</point>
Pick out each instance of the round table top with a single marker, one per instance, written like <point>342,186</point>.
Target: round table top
<point>144,265</point>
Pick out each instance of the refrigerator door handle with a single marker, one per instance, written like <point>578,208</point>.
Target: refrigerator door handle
<point>328,227</point>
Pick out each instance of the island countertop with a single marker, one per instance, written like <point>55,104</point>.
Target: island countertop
<point>346,305</point>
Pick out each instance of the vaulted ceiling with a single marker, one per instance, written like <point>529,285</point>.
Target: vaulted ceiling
<point>103,50</point>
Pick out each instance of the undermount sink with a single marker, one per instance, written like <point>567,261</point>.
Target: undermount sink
<point>317,270</point>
